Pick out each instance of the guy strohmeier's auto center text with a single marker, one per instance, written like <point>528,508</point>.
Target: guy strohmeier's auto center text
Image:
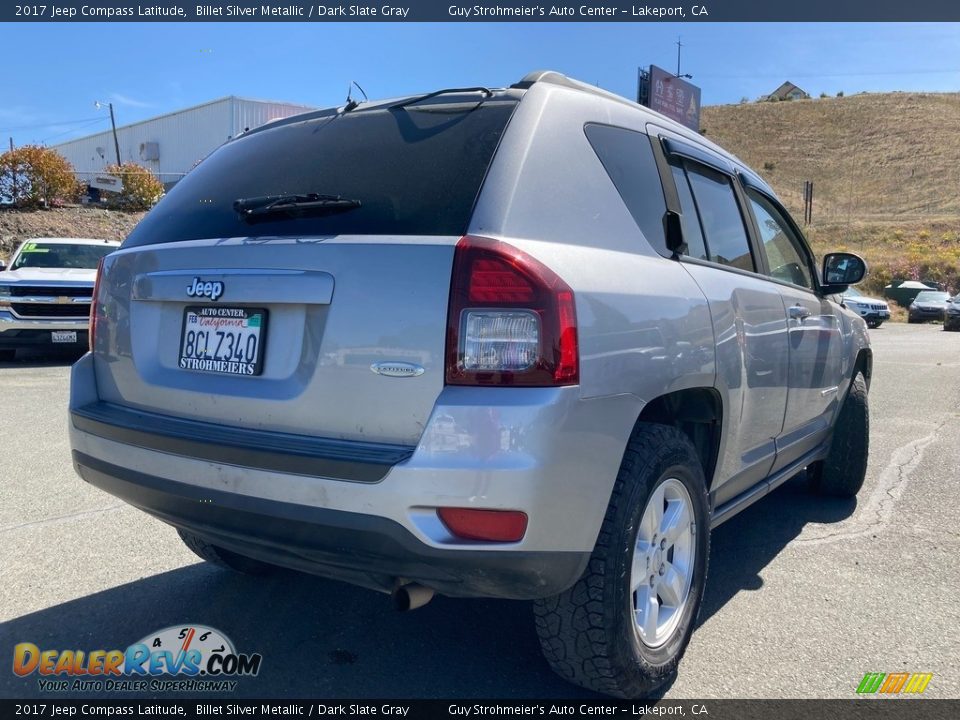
<point>584,11</point>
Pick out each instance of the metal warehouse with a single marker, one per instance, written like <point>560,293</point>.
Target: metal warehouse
<point>170,145</point>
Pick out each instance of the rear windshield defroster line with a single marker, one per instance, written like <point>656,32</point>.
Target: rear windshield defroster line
<point>412,173</point>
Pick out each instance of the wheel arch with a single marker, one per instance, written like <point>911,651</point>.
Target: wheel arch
<point>863,364</point>
<point>698,414</point>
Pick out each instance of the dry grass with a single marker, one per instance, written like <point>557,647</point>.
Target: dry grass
<point>870,156</point>
<point>910,249</point>
<point>886,175</point>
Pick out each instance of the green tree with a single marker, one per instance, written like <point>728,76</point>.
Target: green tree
<point>34,177</point>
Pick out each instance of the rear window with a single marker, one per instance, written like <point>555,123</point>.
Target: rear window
<point>415,171</point>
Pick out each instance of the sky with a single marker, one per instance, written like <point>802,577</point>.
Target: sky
<point>147,69</point>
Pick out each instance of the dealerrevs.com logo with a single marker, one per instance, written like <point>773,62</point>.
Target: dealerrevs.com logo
<point>184,658</point>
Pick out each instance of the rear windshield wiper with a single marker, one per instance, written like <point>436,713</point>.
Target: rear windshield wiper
<point>254,207</point>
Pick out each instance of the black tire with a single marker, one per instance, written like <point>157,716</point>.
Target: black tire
<point>587,632</point>
<point>874,324</point>
<point>7,355</point>
<point>842,473</point>
<point>224,558</point>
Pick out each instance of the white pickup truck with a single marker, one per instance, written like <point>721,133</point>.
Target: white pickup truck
<point>45,293</point>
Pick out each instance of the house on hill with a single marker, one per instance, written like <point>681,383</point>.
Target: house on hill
<point>787,91</point>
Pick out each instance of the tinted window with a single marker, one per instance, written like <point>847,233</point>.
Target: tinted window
<point>59,255</point>
<point>692,233</point>
<point>787,262</point>
<point>720,217</point>
<point>415,171</point>
<point>628,159</point>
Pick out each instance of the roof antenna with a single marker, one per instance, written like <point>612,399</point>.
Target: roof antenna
<point>351,103</point>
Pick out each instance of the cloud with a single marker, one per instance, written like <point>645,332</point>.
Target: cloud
<point>128,101</point>
<point>22,114</point>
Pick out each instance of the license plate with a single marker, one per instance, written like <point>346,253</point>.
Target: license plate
<point>63,336</point>
<point>223,340</point>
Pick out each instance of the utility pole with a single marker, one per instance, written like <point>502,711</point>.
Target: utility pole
<point>680,45</point>
<point>116,143</point>
<point>113,124</point>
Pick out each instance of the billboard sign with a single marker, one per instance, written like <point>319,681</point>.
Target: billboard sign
<point>673,97</point>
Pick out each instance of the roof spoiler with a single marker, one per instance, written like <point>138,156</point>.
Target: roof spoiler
<point>555,78</point>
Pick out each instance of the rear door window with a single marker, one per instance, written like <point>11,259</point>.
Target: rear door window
<point>723,227</point>
<point>415,170</point>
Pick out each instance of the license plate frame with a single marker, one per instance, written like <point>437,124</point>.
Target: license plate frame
<point>233,367</point>
<point>63,336</point>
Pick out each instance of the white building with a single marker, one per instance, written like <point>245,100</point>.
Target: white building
<point>170,145</point>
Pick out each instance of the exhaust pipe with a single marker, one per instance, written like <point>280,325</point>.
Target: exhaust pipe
<point>411,597</point>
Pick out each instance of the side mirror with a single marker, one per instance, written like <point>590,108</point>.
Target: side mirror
<point>841,270</point>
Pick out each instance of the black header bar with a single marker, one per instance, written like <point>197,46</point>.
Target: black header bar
<point>465,11</point>
<point>466,709</point>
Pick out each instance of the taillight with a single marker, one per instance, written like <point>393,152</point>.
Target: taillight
<point>487,525</point>
<point>93,305</point>
<point>511,320</point>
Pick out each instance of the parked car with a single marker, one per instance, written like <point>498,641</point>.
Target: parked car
<point>873,310</point>
<point>951,315</point>
<point>928,305</point>
<point>530,343</point>
<point>45,293</point>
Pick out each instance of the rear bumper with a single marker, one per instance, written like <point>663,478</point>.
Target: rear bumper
<point>362,549</point>
<point>543,451</point>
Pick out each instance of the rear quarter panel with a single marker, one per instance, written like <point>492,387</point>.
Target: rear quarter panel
<point>644,326</point>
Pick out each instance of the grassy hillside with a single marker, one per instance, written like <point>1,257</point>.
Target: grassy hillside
<point>870,156</point>
<point>886,173</point>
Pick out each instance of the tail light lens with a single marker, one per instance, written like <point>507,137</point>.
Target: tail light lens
<point>511,320</point>
<point>94,305</point>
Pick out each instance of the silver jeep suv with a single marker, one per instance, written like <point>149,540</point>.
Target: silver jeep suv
<point>531,343</point>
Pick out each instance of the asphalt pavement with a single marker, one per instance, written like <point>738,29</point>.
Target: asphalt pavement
<point>804,595</point>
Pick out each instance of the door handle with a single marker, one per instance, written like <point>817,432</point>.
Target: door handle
<point>798,312</point>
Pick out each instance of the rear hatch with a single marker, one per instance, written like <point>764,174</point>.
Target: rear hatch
<point>297,279</point>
